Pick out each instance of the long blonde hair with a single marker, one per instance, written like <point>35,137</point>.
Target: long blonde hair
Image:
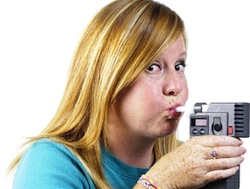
<point>118,44</point>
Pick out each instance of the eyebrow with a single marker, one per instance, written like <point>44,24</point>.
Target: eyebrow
<point>183,53</point>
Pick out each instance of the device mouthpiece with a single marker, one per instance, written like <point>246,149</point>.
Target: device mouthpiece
<point>180,109</point>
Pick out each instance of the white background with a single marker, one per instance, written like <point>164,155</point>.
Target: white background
<point>38,38</point>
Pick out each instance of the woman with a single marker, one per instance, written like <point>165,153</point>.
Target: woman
<point>115,126</point>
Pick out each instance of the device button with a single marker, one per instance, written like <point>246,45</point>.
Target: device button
<point>230,130</point>
<point>217,127</point>
<point>194,131</point>
<point>202,131</point>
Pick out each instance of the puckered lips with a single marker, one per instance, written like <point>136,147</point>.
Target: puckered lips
<point>172,111</point>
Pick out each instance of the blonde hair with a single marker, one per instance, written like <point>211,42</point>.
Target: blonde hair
<point>118,44</point>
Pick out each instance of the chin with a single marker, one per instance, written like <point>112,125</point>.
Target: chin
<point>170,128</point>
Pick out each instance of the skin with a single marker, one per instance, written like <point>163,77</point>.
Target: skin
<point>191,165</point>
<point>156,91</point>
<point>145,112</point>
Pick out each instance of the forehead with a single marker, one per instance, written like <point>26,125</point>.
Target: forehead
<point>176,49</point>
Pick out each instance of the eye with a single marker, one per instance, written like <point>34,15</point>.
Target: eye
<point>180,66</point>
<point>154,68</point>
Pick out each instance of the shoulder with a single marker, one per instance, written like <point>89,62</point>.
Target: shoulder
<point>49,150</point>
<point>47,163</point>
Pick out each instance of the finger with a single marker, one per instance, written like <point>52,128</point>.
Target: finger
<point>223,163</point>
<point>229,151</point>
<point>226,141</point>
<point>214,141</point>
<point>220,174</point>
<point>223,152</point>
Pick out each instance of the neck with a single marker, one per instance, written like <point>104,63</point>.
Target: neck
<point>132,150</point>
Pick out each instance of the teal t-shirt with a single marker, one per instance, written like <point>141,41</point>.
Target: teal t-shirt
<point>48,164</point>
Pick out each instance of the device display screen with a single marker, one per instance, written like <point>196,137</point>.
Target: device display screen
<point>200,122</point>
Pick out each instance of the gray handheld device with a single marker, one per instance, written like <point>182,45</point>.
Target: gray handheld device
<point>231,119</point>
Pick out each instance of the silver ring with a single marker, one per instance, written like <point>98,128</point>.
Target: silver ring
<point>213,153</point>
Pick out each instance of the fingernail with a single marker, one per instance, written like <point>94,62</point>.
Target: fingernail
<point>244,150</point>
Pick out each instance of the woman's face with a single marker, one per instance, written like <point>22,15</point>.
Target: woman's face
<point>147,108</point>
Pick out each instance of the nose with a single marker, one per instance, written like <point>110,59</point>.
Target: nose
<point>173,85</point>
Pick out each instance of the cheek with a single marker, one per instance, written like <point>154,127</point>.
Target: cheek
<point>139,103</point>
<point>185,90</point>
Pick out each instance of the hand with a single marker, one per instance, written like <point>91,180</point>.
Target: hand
<point>192,165</point>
